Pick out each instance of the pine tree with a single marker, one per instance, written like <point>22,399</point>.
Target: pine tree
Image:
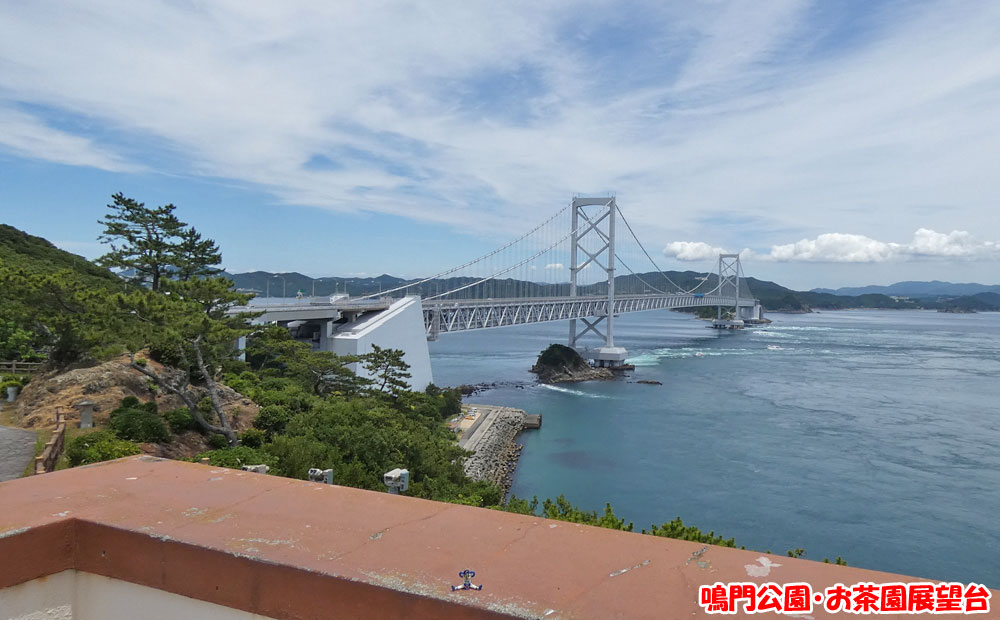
<point>195,257</point>
<point>387,370</point>
<point>154,244</point>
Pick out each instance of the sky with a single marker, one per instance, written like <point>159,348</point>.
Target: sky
<point>831,143</point>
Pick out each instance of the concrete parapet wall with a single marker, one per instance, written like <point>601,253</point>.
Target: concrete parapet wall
<point>291,549</point>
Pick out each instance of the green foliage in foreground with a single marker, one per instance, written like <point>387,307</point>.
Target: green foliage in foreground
<point>677,529</point>
<point>238,457</point>
<point>180,420</point>
<point>139,423</point>
<point>98,446</point>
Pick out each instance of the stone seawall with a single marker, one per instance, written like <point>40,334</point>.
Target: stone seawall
<point>496,452</point>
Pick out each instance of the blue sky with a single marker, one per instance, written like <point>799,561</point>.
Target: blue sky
<point>834,143</point>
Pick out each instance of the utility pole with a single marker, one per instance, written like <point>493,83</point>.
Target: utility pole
<point>282,284</point>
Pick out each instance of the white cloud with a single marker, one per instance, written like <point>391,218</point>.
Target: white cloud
<point>852,248</point>
<point>835,247</point>
<point>27,136</point>
<point>692,251</point>
<point>755,106</point>
<point>555,266</point>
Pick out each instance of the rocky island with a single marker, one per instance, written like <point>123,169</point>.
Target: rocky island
<point>561,364</point>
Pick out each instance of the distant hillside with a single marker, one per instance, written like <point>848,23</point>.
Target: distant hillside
<point>263,282</point>
<point>775,297</point>
<point>37,255</point>
<point>917,290</point>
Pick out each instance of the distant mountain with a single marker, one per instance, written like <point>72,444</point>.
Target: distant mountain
<point>916,290</point>
<point>773,296</point>
<point>264,283</point>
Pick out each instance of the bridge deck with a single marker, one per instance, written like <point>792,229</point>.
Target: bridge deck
<point>443,316</point>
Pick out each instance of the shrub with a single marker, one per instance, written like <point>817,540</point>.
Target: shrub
<point>138,425</point>
<point>272,419</point>
<point>96,447</point>
<point>130,402</point>
<point>180,420</point>
<point>253,438</point>
<point>237,457</point>
<point>217,441</point>
<point>150,407</point>
<point>207,410</point>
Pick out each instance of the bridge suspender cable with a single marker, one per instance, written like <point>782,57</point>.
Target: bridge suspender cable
<point>641,247</point>
<point>503,271</point>
<point>471,262</point>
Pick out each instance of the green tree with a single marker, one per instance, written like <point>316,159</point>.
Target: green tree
<point>194,257</point>
<point>155,244</point>
<point>387,370</point>
<point>677,529</point>
<point>62,310</point>
<point>191,319</point>
<point>142,239</point>
<point>320,372</point>
<point>16,343</point>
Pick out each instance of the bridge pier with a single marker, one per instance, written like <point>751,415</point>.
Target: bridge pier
<point>609,357</point>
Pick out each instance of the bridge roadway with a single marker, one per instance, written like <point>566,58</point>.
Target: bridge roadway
<point>447,316</point>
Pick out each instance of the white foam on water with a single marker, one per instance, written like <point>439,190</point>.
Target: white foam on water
<point>770,334</point>
<point>557,388</point>
<point>648,359</point>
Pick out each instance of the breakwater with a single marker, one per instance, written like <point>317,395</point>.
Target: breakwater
<point>493,443</point>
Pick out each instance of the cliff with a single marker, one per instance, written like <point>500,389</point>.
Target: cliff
<point>561,364</point>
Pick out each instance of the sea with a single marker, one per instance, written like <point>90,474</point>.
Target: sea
<point>869,435</point>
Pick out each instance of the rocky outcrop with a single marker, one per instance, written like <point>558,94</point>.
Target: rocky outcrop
<point>561,364</point>
<point>649,382</point>
<point>106,385</point>
<point>496,454</point>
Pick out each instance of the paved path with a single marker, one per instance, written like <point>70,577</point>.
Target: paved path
<point>17,449</point>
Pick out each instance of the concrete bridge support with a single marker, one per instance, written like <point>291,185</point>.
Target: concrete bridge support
<point>348,330</point>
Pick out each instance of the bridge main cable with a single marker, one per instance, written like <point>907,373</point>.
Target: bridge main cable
<point>506,270</point>
<point>474,261</point>
<point>661,272</point>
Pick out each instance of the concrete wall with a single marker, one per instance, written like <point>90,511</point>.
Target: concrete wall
<point>75,595</point>
<point>401,326</point>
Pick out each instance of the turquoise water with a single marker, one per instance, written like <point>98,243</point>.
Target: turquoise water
<point>873,435</point>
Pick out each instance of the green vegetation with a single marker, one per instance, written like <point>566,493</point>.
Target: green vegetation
<point>560,356</point>
<point>140,423</point>
<point>21,251</point>
<point>153,244</point>
<point>98,446</point>
<point>180,420</point>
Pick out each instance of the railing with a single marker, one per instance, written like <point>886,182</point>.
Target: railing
<point>46,461</point>
<point>19,368</point>
<point>441,316</point>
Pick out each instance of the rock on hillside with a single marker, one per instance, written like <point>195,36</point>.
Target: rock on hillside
<point>561,364</point>
<point>107,384</point>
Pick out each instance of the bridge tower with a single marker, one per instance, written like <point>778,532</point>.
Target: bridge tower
<point>597,229</point>
<point>730,273</point>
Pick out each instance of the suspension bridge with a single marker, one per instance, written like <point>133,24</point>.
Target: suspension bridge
<point>580,266</point>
